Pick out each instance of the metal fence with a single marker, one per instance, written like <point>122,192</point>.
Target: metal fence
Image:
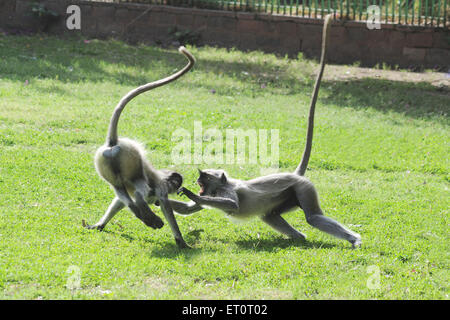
<point>405,12</point>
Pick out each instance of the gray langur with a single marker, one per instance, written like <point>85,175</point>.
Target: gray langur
<point>269,196</point>
<point>122,163</point>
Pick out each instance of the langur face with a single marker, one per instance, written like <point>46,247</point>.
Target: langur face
<point>174,180</point>
<point>210,180</point>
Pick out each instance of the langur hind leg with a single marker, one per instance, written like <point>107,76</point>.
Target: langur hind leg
<point>314,216</point>
<point>147,215</point>
<point>282,226</point>
<point>122,194</point>
<point>334,228</point>
<point>275,220</point>
<point>115,206</point>
<point>142,191</point>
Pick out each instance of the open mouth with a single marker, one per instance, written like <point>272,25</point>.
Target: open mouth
<point>202,189</point>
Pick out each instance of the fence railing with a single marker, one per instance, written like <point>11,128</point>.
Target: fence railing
<point>405,12</point>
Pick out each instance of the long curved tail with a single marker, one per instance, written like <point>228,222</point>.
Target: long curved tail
<point>305,159</point>
<point>111,138</point>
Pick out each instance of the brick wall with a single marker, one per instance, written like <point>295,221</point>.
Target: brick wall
<point>350,41</point>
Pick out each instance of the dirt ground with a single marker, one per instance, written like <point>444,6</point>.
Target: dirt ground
<point>440,80</point>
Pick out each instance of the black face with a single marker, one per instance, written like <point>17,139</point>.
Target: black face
<point>174,180</point>
<point>210,180</point>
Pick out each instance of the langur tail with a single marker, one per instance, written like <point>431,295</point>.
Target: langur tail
<point>307,152</point>
<point>111,138</point>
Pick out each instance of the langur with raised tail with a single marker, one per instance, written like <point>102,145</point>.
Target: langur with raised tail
<point>122,163</point>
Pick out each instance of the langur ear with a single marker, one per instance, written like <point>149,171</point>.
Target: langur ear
<point>200,172</point>
<point>223,178</point>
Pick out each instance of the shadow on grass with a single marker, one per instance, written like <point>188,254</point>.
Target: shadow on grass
<point>414,100</point>
<point>170,250</point>
<point>120,233</point>
<point>273,244</point>
<point>167,249</point>
<point>73,60</point>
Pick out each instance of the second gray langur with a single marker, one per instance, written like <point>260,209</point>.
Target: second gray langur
<point>268,197</point>
<point>122,163</point>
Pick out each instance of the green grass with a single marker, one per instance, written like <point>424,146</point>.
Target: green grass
<point>380,162</point>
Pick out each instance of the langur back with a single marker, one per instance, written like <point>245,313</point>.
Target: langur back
<point>121,162</point>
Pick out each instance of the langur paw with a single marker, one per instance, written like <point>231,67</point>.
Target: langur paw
<point>183,191</point>
<point>90,227</point>
<point>158,223</point>
<point>298,236</point>
<point>356,243</point>
<point>155,223</point>
<point>182,244</point>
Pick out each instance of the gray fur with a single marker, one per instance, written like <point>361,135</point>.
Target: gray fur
<point>122,163</point>
<point>270,196</point>
<point>266,197</point>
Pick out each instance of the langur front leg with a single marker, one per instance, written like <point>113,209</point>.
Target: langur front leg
<point>115,206</point>
<point>184,208</point>
<point>226,204</point>
<point>168,213</point>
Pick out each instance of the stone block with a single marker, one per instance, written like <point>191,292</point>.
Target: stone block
<point>163,18</point>
<point>104,12</point>
<point>414,54</point>
<point>438,58</point>
<point>185,20</point>
<point>419,40</point>
<point>286,28</point>
<point>200,21</point>
<point>225,23</point>
<point>441,39</point>
<point>250,26</point>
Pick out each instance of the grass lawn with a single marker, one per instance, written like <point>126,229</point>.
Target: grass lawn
<point>380,162</point>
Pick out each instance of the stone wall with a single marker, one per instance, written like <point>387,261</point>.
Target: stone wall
<point>351,42</point>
